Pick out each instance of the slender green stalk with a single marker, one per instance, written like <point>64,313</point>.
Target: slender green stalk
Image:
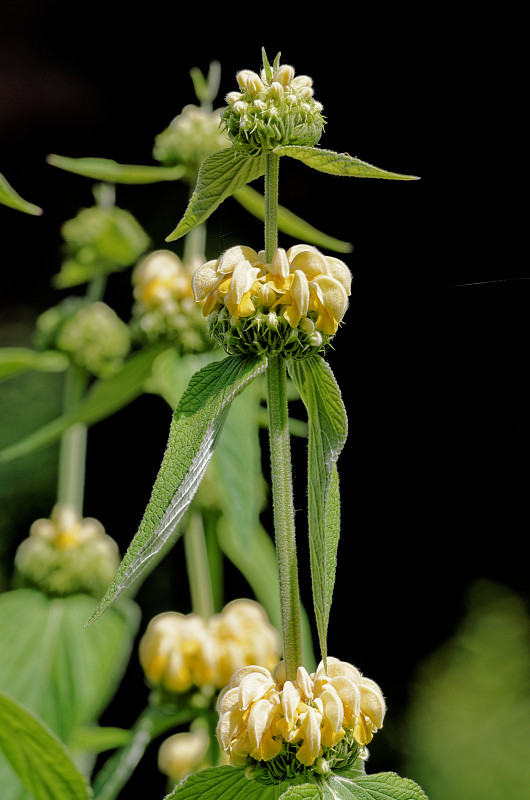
<point>283,509</point>
<point>72,452</point>
<point>197,566</point>
<point>272,169</point>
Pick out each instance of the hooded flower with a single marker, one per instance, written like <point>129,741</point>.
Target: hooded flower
<point>309,290</point>
<point>262,715</point>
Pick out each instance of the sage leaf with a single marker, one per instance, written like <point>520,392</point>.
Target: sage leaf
<point>223,783</point>
<point>110,171</point>
<point>290,223</point>
<point>381,786</point>
<point>220,175</point>
<point>328,428</point>
<point>195,427</point>
<point>37,756</point>
<point>14,360</point>
<point>10,197</point>
<point>338,163</point>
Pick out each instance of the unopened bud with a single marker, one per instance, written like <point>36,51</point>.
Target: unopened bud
<point>284,75</point>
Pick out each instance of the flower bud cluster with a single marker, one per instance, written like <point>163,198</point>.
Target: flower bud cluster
<point>183,753</point>
<point>293,305</point>
<point>66,554</point>
<point>92,335</point>
<point>271,109</point>
<point>164,307</point>
<point>192,136</point>
<point>314,722</point>
<point>178,651</point>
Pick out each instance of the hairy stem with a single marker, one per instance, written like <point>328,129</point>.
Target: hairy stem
<point>197,566</point>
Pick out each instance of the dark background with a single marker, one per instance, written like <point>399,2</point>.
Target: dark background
<point>432,360</point>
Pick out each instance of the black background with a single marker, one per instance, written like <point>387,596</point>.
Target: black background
<point>432,360</point>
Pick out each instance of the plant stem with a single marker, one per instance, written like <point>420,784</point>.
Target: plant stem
<point>197,566</point>
<point>283,509</point>
<point>72,453</point>
<point>272,169</point>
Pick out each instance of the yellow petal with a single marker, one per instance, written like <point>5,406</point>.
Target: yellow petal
<point>340,272</point>
<point>259,720</point>
<point>243,277</point>
<point>332,294</point>
<point>204,280</point>
<point>280,263</point>
<point>253,687</point>
<point>372,703</point>
<point>300,292</point>
<point>231,258</point>
<point>312,263</point>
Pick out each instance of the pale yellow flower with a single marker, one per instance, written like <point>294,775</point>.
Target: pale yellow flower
<point>302,285</point>
<point>160,279</point>
<point>183,753</point>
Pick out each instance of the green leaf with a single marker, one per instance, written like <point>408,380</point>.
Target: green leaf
<point>289,223</point>
<point>338,163</point>
<point>105,169</point>
<point>220,175</point>
<point>14,360</point>
<point>96,739</point>
<point>222,783</point>
<point>381,786</point>
<point>63,673</point>
<point>195,427</point>
<point>104,398</point>
<point>36,755</point>
<point>328,428</point>
<point>9,197</point>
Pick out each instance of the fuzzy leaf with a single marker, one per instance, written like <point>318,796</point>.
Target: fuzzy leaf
<point>220,175</point>
<point>222,783</point>
<point>195,427</point>
<point>290,223</point>
<point>37,756</point>
<point>105,169</point>
<point>381,786</point>
<point>328,428</point>
<point>338,163</point>
<point>9,197</point>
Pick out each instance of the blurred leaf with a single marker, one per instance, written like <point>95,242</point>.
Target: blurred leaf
<point>105,169</point>
<point>39,759</point>
<point>95,739</point>
<point>50,663</point>
<point>14,360</point>
<point>289,223</point>
<point>9,197</point>
<point>194,431</point>
<point>338,163</point>
<point>220,175</point>
<point>104,398</point>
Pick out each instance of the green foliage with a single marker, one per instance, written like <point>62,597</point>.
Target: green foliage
<point>328,427</point>
<point>229,783</point>
<point>15,360</point>
<point>195,427</point>
<point>338,163</point>
<point>220,175</point>
<point>37,757</point>
<point>469,721</point>
<point>105,169</point>
<point>10,197</point>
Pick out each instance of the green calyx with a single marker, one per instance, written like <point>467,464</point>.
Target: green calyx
<point>263,334</point>
<point>346,755</point>
<point>272,109</point>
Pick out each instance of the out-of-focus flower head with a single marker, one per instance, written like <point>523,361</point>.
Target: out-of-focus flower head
<point>164,307</point>
<point>67,554</point>
<point>179,652</point>
<point>294,304</point>
<point>183,753</point>
<point>191,136</point>
<point>317,721</point>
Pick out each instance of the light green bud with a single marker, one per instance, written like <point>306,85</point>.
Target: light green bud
<point>192,136</point>
<point>273,109</point>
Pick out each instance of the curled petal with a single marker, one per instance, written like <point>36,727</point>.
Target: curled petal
<point>259,720</point>
<point>227,699</point>
<point>204,280</point>
<point>350,694</point>
<point>238,676</point>
<point>372,702</point>
<point>304,683</point>
<point>340,272</point>
<point>336,667</point>
<point>280,263</point>
<point>333,708</point>
<point>311,262</point>
<point>310,731</point>
<point>290,699</point>
<point>300,292</point>
<point>253,687</point>
<point>231,258</point>
<point>229,727</point>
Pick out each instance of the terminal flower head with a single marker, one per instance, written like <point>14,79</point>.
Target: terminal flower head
<point>301,289</point>
<point>313,722</point>
<point>272,108</point>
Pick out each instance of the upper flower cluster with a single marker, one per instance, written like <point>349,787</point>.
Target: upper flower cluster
<point>272,108</point>
<point>264,717</point>
<point>300,290</point>
<point>191,136</point>
<point>66,554</point>
<point>179,651</point>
